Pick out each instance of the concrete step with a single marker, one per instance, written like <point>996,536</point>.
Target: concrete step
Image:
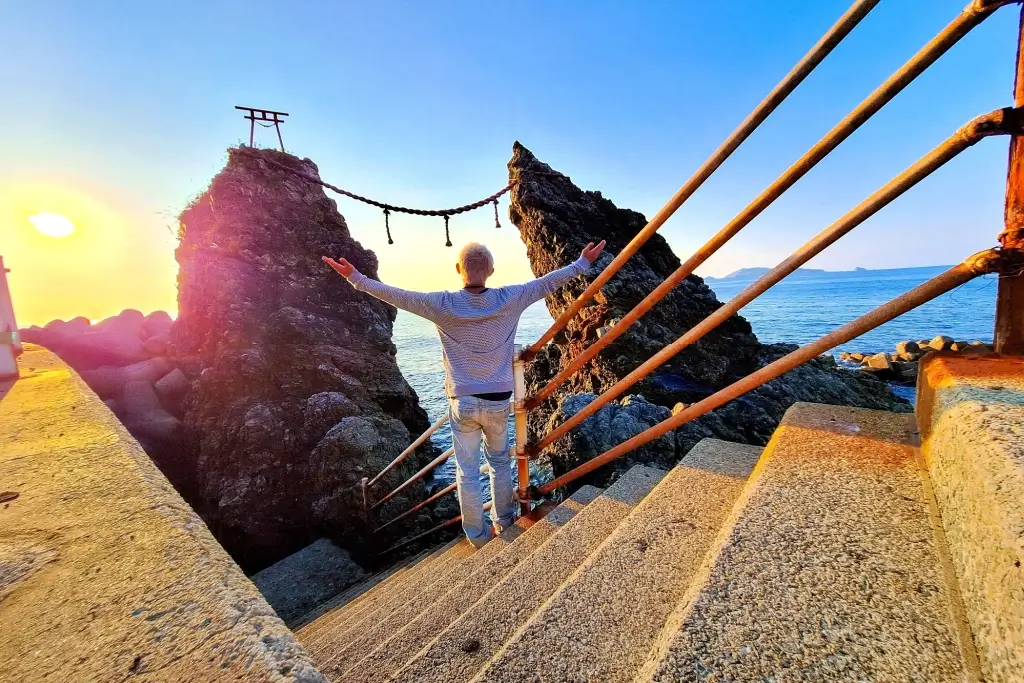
<point>359,591</point>
<point>337,620</point>
<point>829,568</point>
<point>393,653</point>
<point>461,650</point>
<point>335,657</point>
<point>357,616</point>
<point>601,623</point>
<point>971,412</point>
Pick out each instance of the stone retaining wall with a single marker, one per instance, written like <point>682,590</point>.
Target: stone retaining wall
<point>105,572</point>
<point>971,415</point>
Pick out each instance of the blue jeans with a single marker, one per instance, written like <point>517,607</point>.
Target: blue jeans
<point>472,418</point>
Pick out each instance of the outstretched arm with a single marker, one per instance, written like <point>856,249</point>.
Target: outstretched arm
<point>423,305</point>
<point>536,290</point>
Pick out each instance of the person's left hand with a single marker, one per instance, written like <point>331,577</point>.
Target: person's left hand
<point>590,252</point>
<point>341,266</point>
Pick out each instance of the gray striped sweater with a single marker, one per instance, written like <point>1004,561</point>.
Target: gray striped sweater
<point>477,331</point>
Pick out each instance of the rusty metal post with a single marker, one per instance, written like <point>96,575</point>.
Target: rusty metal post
<point>519,406</point>
<point>366,500</point>
<point>1009,326</point>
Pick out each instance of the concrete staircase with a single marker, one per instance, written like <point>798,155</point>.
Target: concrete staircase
<point>822,558</point>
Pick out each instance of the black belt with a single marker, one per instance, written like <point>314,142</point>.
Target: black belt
<point>496,396</point>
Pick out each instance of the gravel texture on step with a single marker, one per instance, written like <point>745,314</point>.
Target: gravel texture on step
<point>365,637</point>
<point>465,647</point>
<point>361,617</point>
<point>402,646</point>
<point>337,619</point>
<point>601,623</point>
<point>828,569</point>
<point>358,592</point>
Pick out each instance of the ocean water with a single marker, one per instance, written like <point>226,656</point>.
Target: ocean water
<point>799,309</point>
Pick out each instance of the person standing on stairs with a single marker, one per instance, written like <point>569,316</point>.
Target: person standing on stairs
<point>477,327</point>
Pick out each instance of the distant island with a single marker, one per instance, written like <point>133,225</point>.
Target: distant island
<point>754,273</point>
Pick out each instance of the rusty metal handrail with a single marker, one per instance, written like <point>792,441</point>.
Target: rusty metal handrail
<point>787,85</point>
<point>999,122</point>
<point>484,469</point>
<point>969,18</point>
<point>416,477</point>
<point>979,264</point>
<point>409,451</point>
<point>454,520</point>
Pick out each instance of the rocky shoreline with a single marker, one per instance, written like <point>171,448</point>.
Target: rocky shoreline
<point>900,366</point>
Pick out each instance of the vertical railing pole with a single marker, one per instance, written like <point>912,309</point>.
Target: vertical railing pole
<point>1009,328</point>
<point>519,406</point>
<point>365,486</point>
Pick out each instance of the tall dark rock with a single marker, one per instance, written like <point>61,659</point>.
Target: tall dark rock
<point>556,219</point>
<point>295,394</point>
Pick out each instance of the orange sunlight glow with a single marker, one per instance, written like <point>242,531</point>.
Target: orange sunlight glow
<point>52,224</point>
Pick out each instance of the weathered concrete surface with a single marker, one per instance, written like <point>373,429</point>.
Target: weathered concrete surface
<point>464,648</point>
<point>971,413</point>
<point>334,662</point>
<point>397,650</point>
<point>359,592</point>
<point>298,583</point>
<point>601,622</point>
<point>829,568</point>
<point>105,572</point>
<point>338,616</point>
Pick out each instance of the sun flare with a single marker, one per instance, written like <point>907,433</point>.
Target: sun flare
<point>52,224</point>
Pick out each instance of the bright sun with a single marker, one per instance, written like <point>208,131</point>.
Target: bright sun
<point>52,224</point>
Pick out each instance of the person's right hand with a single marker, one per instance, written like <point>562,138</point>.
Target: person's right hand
<point>590,252</point>
<point>341,266</point>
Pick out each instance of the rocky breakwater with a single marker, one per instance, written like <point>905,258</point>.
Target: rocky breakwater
<point>556,219</point>
<point>294,394</point>
<point>900,366</point>
<point>124,359</point>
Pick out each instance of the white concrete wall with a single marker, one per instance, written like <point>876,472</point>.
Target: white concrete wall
<point>105,573</point>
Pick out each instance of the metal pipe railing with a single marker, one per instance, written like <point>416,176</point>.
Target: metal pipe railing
<point>969,18</point>
<point>484,469</point>
<point>416,477</point>
<point>979,264</point>
<point>999,122</point>
<point>454,520</point>
<point>409,451</point>
<point>787,85</point>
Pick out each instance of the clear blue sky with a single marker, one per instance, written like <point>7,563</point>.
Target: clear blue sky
<point>418,103</point>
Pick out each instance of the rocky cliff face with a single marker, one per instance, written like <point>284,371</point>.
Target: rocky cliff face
<point>295,393</point>
<point>556,219</point>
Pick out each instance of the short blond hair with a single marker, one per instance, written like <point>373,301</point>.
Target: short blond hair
<point>476,263</point>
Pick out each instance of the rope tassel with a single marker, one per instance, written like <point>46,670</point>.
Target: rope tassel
<point>447,237</point>
<point>497,223</point>
<point>387,226</point>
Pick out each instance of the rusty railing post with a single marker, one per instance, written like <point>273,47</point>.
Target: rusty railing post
<point>364,485</point>
<point>519,406</point>
<point>1009,324</point>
